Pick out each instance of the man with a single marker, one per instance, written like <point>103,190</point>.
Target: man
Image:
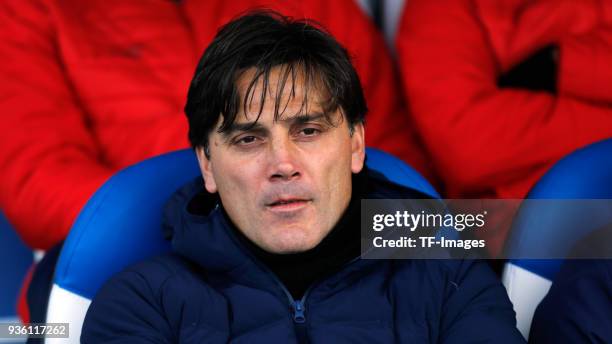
<point>267,249</point>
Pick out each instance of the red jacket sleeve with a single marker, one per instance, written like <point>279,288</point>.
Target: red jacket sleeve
<point>48,161</point>
<point>484,140</point>
<point>517,28</point>
<point>585,70</point>
<point>581,29</point>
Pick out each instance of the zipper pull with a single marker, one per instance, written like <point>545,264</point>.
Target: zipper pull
<point>298,312</point>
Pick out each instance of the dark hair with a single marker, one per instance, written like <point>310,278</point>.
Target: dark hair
<point>262,40</point>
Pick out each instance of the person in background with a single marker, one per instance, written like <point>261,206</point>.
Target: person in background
<point>500,90</point>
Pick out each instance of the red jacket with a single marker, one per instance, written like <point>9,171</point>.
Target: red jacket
<point>89,87</point>
<point>493,142</point>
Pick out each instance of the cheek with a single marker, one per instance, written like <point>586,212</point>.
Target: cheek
<point>236,180</point>
<point>337,176</point>
<point>342,177</point>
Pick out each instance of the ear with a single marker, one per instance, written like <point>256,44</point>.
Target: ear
<point>357,148</point>
<point>206,168</point>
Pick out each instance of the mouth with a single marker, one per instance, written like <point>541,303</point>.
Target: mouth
<point>288,204</point>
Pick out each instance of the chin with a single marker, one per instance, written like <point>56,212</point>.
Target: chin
<point>292,243</point>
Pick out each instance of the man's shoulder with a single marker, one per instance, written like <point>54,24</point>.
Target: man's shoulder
<point>156,285</point>
<point>165,277</point>
<point>459,295</point>
<point>446,275</point>
<point>158,270</point>
<point>442,267</point>
<point>152,299</point>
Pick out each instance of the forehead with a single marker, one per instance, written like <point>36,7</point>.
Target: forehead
<point>287,91</point>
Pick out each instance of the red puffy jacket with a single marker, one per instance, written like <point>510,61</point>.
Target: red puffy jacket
<point>487,141</point>
<point>90,87</point>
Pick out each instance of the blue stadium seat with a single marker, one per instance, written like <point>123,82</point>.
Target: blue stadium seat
<point>584,174</point>
<point>15,260</point>
<point>122,220</point>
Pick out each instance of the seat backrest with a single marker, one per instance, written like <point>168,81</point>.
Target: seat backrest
<point>15,260</point>
<point>583,174</point>
<point>121,224</point>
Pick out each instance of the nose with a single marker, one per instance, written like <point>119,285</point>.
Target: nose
<point>284,164</point>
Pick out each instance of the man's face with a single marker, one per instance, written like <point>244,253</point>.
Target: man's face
<point>284,183</point>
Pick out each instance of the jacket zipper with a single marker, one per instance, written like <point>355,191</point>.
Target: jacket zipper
<point>298,307</point>
<point>299,321</point>
<point>298,312</point>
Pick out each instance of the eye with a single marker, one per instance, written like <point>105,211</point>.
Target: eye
<point>309,132</point>
<point>246,140</point>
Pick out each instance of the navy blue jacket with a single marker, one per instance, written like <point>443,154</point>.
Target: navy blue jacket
<point>211,289</point>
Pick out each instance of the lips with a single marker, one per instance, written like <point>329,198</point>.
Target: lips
<point>286,201</point>
<point>287,204</point>
<point>287,198</point>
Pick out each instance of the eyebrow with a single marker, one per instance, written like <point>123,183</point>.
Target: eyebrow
<point>256,126</point>
<point>305,118</point>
